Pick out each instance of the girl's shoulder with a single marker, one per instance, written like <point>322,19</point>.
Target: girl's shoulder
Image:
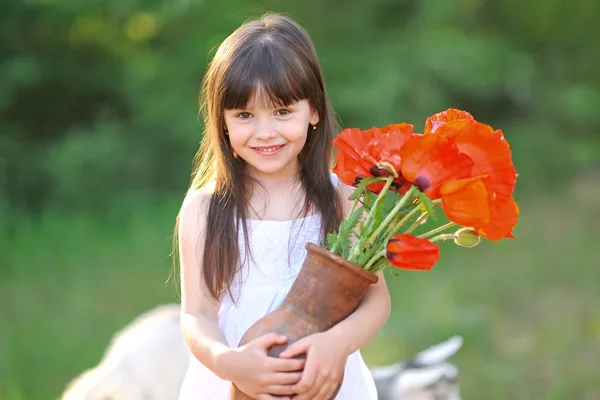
<point>344,191</point>
<point>196,202</point>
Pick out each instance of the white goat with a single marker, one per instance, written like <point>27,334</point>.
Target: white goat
<point>147,360</point>
<point>427,376</point>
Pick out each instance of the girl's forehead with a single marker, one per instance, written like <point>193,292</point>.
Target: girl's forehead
<point>262,99</point>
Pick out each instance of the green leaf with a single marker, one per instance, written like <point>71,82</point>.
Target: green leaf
<point>332,238</point>
<point>426,202</point>
<point>370,252</point>
<point>378,215</point>
<point>345,249</point>
<point>368,200</point>
<point>362,187</point>
<point>390,200</point>
<point>347,228</point>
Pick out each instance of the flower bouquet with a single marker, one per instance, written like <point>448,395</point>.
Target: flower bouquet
<point>401,179</point>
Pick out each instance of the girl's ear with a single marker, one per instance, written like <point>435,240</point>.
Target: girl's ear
<point>314,117</point>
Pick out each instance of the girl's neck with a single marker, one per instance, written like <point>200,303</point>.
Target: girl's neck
<point>284,179</point>
<point>277,199</point>
<point>279,184</point>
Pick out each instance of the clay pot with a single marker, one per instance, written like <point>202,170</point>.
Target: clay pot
<point>326,291</point>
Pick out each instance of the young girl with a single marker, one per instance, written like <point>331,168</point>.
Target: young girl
<point>263,189</point>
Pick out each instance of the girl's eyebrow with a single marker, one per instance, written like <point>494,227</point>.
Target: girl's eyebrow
<point>273,107</point>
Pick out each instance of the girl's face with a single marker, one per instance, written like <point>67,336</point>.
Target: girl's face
<point>269,137</point>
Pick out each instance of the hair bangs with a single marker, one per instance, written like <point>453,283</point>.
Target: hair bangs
<point>266,76</point>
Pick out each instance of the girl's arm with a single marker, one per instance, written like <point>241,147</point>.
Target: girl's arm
<point>248,366</point>
<point>198,312</point>
<point>369,318</point>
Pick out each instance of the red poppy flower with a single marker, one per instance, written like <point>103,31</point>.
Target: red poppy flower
<point>348,169</point>
<point>466,163</point>
<point>455,118</point>
<point>353,141</point>
<point>428,161</point>
<point>504,213</point>
<point>371,152</point>
<point>382,154</point>
<point>469,166</point>
<point>410,252</point>
<point>490,153</point>
<point>465,201</point>
<point>492,162</point>
<point>384,148</point>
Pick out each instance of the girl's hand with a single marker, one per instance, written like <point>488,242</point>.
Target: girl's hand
<point>260,376</point>
<point>326,357</point>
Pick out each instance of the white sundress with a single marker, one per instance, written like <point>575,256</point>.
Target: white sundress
<point>277,255</point>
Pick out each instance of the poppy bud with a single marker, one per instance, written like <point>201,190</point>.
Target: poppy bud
<point>405,251</point>
<point>467,237</point>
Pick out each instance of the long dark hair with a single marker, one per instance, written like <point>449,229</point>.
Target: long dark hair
<point>276,55</point>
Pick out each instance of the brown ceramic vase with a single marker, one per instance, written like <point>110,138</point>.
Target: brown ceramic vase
<point>327,290</point>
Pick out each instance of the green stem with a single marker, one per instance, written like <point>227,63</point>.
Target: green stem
<point>375,258</point>
<point>379,199</point>
<point>402,221</point>
<point>399,205</point>
<point>408,216</point>
<point>380,265</point>
<point>417,222</point>
<point>443,236</point>
<point>356,248</point>
<point>437,230</point>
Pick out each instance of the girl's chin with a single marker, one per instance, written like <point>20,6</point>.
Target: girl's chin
<point>279,169</point>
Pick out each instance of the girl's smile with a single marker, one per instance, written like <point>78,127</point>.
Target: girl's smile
<point>270,150</point>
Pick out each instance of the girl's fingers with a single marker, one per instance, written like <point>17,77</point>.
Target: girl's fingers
<point>295,349</point>
<point>270,339</point>
<point>286,365</point>
<point>303,388</point>
<point>286,378</point>
<point>270,397</point>
<point>279,390</point>
<point>327,391</point>
<point>310,392</point>
<point>321,384</point>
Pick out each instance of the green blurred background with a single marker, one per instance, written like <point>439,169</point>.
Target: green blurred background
<point>98,127</point>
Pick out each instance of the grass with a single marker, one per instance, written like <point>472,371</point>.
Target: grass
<point>527,308</point>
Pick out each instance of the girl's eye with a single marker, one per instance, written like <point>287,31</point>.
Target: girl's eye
<point>244,115</point>
<point>283,111</point>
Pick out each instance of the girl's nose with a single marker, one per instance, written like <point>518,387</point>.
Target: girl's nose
<point>265,130</point>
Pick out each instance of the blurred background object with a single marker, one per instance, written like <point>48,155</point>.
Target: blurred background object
<point>426,376</point>
<point>98,128</point>
<point>148,359</point>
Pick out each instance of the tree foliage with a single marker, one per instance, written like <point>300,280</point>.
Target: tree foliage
<point>98,100</point>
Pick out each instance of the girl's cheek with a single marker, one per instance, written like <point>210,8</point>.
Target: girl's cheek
<point>241,134</point>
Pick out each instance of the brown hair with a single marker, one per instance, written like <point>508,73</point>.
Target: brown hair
<point>275,55</point>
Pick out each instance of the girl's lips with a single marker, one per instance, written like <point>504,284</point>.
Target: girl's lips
<point>269,150</point>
